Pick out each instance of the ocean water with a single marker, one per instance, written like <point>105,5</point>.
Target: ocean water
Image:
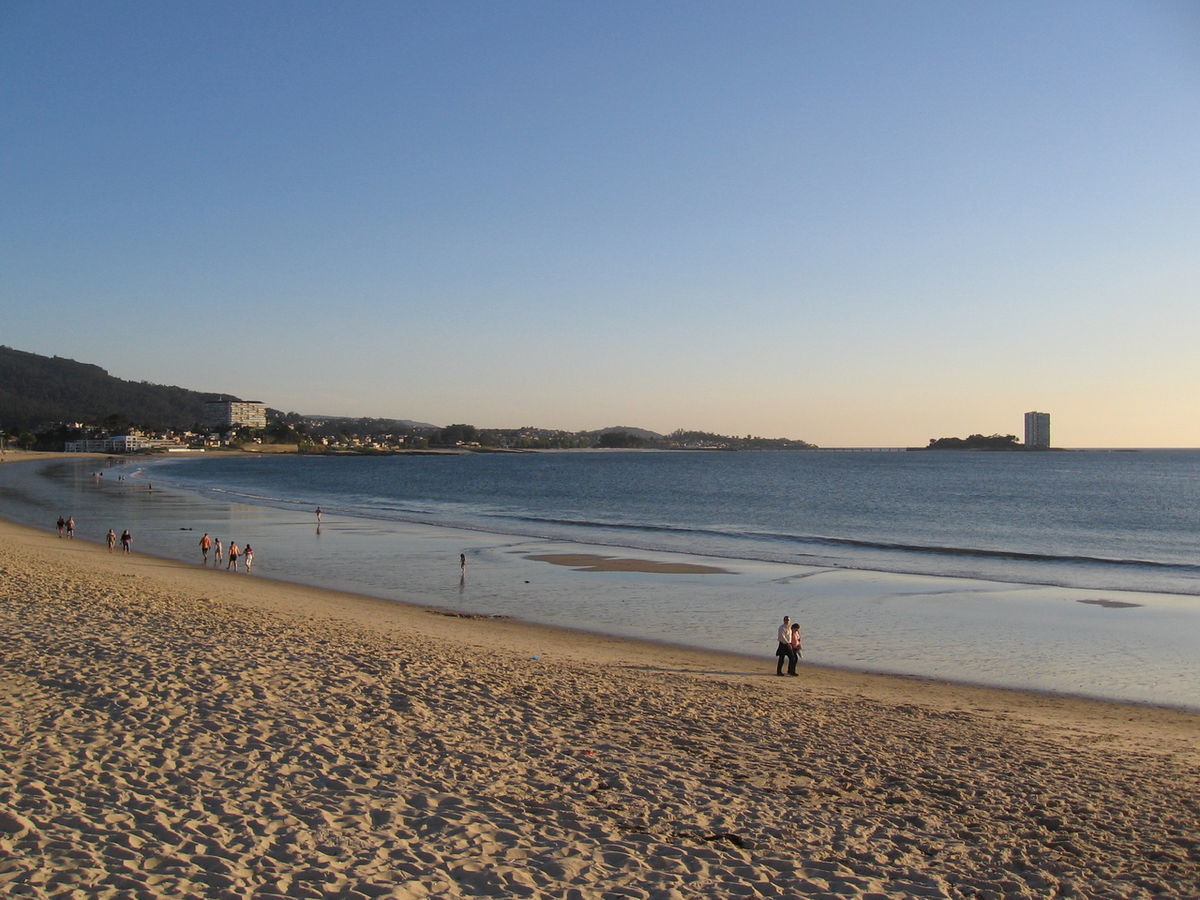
<point>1065,571</point>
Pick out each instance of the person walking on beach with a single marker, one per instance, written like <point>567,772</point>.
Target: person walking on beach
<point>794,648</point>
<point>62,523</point>
<point>111,540</point>
<point>126,540</point>
<point>318,515</point>
<point>205,544</point>
<point>462,563</point>
<point>233,555</point>
<point>216,552</point>
<point>70,526</point>
<point>784,650</point>
<point>248,556</point>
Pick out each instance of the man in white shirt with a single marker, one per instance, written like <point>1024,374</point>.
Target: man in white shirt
<point>784,651</point>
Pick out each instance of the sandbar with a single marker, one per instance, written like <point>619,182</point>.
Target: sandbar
<point>591,562</point>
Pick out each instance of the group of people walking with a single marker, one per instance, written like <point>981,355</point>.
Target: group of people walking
<point>789,648</point>
<point>235,553</point>
<point>66,529</point>
<point>232,557</point>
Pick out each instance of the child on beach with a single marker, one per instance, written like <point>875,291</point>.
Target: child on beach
<point>216,552</point>
<point>248,556</point>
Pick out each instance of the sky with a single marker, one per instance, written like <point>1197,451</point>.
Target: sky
<point>851,223</point>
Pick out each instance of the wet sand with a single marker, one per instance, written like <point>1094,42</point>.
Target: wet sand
<point>173,731</point>
<point>590,562</point>
<point>1030,637</point>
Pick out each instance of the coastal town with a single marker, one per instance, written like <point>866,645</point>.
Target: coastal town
<point>80,408</point>
<point>249,425</point>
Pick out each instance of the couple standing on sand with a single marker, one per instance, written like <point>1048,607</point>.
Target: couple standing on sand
<point>789,646</point>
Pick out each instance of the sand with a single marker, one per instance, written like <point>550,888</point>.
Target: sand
<point>172,731</point>
<point>591,562</point>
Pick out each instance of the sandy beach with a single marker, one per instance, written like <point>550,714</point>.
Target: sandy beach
<point>173,731</point>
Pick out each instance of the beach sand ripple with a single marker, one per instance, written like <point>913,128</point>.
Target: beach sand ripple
<point>178,739</point>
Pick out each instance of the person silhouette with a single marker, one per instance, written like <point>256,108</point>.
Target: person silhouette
<point>784,650</point>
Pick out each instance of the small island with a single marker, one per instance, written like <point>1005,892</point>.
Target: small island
<point>977,442</point>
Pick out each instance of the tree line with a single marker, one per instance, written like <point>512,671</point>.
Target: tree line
<point>977,442</point>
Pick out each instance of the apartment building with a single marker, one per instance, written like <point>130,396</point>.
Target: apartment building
<point>235,413</point>
<point>1037,431</point>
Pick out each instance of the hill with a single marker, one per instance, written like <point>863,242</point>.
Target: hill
<point>334,425</point>
<point>642,433</point>
<point>40,391</point>
<point>38,394</point>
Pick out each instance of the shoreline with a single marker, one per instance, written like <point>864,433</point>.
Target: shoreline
<point>580,644</point>
<point>174,731</point>
<point>371,610</point>
<point>592,577</point>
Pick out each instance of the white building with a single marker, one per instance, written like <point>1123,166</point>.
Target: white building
<point>126,443</point>
<point>1037,431</point>
<point>234,413</point>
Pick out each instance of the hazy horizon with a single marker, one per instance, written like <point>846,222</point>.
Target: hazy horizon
<point>636,427</point>
<point>855,224</point>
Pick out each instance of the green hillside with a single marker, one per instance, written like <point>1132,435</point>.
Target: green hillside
<point>40,391</point>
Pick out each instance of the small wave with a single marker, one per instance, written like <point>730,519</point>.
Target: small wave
<point>891,547</point>
<point>987,553</point>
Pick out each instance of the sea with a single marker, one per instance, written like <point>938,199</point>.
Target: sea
<point>1074,572</point>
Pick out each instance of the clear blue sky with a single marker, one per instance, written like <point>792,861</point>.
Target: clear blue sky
<point>856,223</point>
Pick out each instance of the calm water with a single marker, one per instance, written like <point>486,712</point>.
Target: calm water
<point>1074,571</point>
<point>1083,519</point>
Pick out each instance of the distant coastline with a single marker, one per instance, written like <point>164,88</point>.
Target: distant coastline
<point>992,442</point>
<point>1020,448</point>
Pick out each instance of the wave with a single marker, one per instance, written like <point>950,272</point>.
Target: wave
<point>823,541</point>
